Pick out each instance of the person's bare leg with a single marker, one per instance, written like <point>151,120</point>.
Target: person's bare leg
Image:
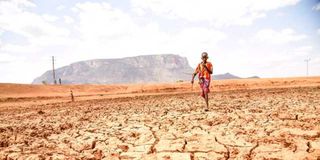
<point>203,94</point>
<point>206,97</point>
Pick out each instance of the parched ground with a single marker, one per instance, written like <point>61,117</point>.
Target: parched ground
<point>244,124</point>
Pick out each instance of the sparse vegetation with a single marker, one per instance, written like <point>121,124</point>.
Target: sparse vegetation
<point>180,81</point>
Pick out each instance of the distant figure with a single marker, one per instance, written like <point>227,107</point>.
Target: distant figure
<point>71,94</point>
<point>60,81</point>
<point>204,71</point>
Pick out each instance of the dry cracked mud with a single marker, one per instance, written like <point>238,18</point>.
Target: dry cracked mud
<point>244,124</point>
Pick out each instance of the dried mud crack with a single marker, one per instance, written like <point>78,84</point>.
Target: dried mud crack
<point>248,124</point>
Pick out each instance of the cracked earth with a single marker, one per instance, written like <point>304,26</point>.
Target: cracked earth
<point>245,124</point>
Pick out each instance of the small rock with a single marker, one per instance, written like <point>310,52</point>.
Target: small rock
<point>98,154</point>
<point>124,148</point>
<point>41,112</point>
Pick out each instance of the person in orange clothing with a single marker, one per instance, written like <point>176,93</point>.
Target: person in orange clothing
<point>204,71</point>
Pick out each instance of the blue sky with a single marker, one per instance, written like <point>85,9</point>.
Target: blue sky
<point>268,38</point>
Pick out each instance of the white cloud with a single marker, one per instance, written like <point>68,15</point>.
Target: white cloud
<point>101,20</point>
<point>104,29</point>
<point>227,12</point>
<point>98,30</point>
<point>68,19</point>
<point>39,30</point>
<point>318,31</point>
<point>38,37</point>
<point>316,7</point>
<point>1,31</point>
<point>139,11</point>
<point>279,37</point>
<point>101,31</point>
<point>14,48</point>
<point>13,7</point>
<point>61,7</point>
<point>5,58</point>
<point>14,18</point>
<point>302,51</point>
<point>49,18</point>
<point>30,25</point>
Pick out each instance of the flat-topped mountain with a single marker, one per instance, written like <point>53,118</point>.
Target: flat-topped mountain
<point>139,69</point>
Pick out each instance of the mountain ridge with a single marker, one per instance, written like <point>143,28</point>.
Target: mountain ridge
<point>137,69</point>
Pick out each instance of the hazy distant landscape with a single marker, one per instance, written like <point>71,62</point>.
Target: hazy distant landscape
<point>139,69</point>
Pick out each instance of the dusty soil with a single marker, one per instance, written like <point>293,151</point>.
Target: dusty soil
<point>15,92</point>
<point>269,123</point>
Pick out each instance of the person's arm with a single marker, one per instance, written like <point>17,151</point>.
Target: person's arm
<point>194,74</point>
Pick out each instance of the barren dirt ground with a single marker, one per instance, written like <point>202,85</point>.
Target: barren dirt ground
<point>244,124</point>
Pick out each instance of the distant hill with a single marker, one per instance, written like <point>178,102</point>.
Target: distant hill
<point>139,69</point>
<point>229,76</point>
<point>253,77</point>
<point>225,76</point>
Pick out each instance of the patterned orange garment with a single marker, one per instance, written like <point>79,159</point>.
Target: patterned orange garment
<point>203,73</point>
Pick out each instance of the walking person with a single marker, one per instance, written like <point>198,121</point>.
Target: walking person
<point>204,71</point>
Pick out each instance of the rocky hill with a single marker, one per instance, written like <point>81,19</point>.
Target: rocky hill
<point>139,69</point>
<point>225,76</point>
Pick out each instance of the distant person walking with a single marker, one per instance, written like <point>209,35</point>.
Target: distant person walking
<point>204,71</point>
